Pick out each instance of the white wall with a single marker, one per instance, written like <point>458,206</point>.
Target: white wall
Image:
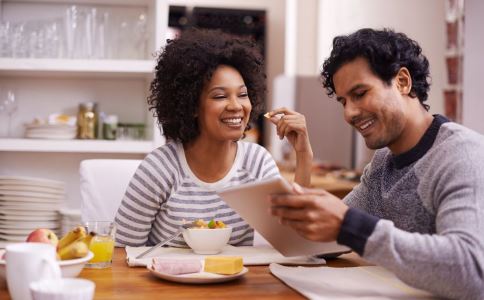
<point>473,102</point>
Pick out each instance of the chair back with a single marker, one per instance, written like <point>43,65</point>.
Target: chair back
<point>103,184</point>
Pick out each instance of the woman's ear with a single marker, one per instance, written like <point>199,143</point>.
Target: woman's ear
<point>404,81</point>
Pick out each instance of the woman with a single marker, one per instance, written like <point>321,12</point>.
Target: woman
<point>208,87</point>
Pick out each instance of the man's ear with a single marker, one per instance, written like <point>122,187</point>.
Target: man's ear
<point>404,81</point>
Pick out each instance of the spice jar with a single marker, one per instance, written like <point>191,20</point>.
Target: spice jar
<point>110,125</point>
<point>87,121</point>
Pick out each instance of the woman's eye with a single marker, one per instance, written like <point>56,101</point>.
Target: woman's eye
<point>219,96</point>
<point>243,95</point>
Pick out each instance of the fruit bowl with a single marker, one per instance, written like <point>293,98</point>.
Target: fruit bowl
<point>69,267</point>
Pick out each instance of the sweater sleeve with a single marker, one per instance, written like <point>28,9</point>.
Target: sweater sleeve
<point>145,193</point>
<point>450,262</point>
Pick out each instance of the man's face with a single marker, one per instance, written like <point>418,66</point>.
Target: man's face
<point>373,108</point>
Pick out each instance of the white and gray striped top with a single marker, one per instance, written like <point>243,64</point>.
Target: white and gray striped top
<point>163,192</point>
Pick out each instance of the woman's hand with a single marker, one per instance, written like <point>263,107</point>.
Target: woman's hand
<point>292,125</point>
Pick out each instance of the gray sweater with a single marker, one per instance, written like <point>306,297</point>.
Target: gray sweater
<point>421,214</point>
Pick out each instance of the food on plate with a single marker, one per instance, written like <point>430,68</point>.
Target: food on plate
<point>212,224</point>
<point>176,266</point>
<point>77,249</point>
<point>226,265</point>
<point>43,235</point>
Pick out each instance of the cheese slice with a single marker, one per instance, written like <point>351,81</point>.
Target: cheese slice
<point>226,265</point>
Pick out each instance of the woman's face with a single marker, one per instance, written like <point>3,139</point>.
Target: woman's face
<point>224,106</point>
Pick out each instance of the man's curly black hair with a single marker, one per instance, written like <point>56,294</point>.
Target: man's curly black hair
<point>186,64</point>
<point>386,52</point>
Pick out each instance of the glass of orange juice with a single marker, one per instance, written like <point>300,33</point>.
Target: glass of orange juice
<point>102,244</point>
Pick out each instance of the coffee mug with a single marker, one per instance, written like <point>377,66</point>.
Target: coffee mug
<point>29,262</point>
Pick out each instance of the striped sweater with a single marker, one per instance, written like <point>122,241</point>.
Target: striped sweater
<point>164,192</point>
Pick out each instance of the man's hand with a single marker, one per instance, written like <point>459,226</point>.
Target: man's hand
<point>315,214</point>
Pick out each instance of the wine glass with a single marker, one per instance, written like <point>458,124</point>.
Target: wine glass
<point>10,106</point>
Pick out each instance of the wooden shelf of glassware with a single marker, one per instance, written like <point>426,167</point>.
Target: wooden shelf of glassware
<point>82,79</point>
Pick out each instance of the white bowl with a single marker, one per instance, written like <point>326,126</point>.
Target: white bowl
<point>62,289</point>
<point>207,241</point>
<point>69,268</point>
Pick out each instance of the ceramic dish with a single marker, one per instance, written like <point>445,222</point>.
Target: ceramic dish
<point>197,278</point>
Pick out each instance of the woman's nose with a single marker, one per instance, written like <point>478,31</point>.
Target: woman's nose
<point>234,104</point>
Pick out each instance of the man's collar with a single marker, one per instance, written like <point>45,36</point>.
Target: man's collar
<point>425,143</point>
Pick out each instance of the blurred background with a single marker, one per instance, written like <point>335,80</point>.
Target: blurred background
<point>74,75</point>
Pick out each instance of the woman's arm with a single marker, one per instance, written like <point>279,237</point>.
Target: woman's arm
<point>292,125</point>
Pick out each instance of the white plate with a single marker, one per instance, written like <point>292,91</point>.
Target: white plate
<point>22,199</point>
<point>31,188</point>
<point>28,225</point>
<point>51,126</point>
<point>27,207</point>
<point>32,194</point>
<point>9,212</point>
<point>28,218</point>
<point>51,136</point>
<point>30,181</point>
<point>198,278</point>
<point>25,232</point>
<point>13,238</point>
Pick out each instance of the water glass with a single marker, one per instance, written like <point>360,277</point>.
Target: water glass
<point>102,244</point>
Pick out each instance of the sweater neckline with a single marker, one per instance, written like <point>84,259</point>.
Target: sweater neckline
<point>418,151</point>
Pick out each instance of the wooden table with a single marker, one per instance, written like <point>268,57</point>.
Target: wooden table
<point>123,282</point>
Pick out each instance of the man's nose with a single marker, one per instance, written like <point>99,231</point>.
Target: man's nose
<point>351,111</point>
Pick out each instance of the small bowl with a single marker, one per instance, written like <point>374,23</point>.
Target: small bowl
<point>207,241</point>
<point>69,268</point>
<point>62,289</point>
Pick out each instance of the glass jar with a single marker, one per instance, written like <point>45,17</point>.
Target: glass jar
<point>87,121</point>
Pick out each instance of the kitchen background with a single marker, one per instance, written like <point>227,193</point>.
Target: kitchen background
<point>58,55</point>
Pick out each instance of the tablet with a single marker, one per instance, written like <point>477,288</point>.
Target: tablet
<point>251,203</point>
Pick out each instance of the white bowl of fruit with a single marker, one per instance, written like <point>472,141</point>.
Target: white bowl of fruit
<point>207,238</point>
<point>72,250</point>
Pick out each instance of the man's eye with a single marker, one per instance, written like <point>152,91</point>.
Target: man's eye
<point>360,94</point>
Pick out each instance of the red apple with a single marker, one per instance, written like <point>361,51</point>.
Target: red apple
<point>43,235</point>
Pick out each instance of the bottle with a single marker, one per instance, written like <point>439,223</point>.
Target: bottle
<point>87,121</point>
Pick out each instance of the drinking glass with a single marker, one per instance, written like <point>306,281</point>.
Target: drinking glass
<point>102,244</point>
<point>9,104</point>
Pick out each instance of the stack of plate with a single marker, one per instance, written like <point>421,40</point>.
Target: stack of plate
<point>69,219</point>
<point>27,204</point>
<point>50,131</point>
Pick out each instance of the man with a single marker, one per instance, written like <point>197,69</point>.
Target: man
<point>419,209</point>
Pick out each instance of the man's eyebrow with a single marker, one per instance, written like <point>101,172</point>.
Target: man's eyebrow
<point>354,88</point>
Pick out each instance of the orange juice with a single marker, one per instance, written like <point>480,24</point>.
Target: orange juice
<point>102,247</point>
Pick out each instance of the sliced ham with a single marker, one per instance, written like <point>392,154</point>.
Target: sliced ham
<point>176,266</point>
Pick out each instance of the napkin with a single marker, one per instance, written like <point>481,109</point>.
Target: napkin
<point>346,283</point>
<point>252,256</point>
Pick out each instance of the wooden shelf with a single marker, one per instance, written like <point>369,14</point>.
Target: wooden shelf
<point>75,146</point>
<point>76,67</point>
